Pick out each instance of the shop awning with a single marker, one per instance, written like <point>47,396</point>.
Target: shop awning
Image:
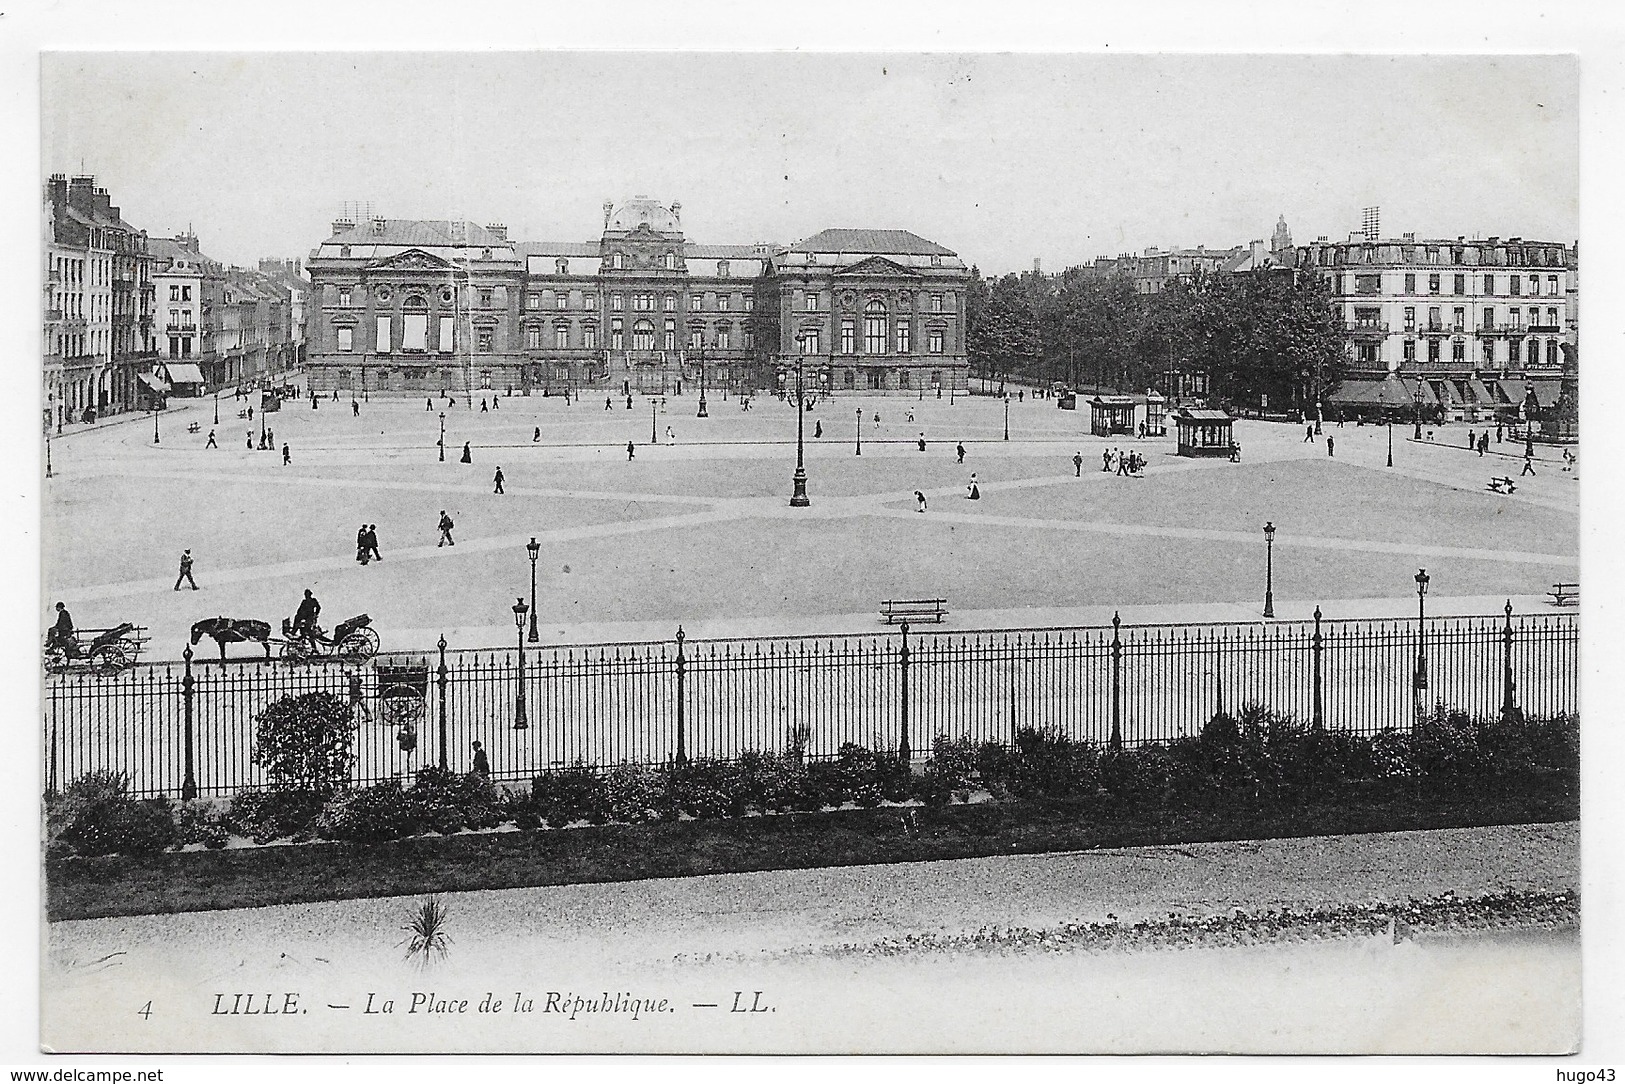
<point>1547,389</point>
<point>153,382</point>
<point>183,373</point>
<point>1387,392</point>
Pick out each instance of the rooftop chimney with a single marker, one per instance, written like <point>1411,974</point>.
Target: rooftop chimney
<point>1408,238</point>
<point>378,227</point>
<point>82,193</point>
<point>343,224</point>
<point>1038,266</point>
<point>498,230</point>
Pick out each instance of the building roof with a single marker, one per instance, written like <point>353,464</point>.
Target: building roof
<point>643,211</point>
<point>880,242</point>
<point>556,248</point>
<point>1191,414</point>
<point>419,232</point>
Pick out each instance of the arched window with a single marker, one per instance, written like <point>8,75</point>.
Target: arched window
<point>563,266</point>
<point>874,327</point>
<point>643,335</point>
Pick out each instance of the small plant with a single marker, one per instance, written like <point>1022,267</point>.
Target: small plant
<point>201,821</point>
<point>96,815</point>
<point>427,941</point>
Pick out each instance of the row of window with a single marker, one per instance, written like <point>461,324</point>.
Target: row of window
<point>617,262</point>
<point>643,337</point>
<point>1372,318</point>
<point>874,338</point>
<point>1510,285</point>
<point>1512,255</point>
<point>1367,353</point>
<point>875,306</point>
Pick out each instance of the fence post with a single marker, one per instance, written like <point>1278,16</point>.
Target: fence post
<point>440,685</point>
<point>682,668</point>
<point>1117,683</point>
<point>189,785</point>
<point>1317,646</point>
<point>51,768</point>
<point>1509,701</point>
<point>904,752</point>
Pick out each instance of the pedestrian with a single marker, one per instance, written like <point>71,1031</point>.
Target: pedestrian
<point>960,448</point>
<point>628,402</point>
<point>468,456</point>
<point>211,443</point>
<point>445,531</point>
<point>250,413</point>
<point>1122,465</point>
<point>877,419</point>
<point>286,458</point>
<point>911,417</point>
<point>919,501</point>
<point>1142,430</point>
<point>1329,445</point>
<point>483,408</point>
<point>428,404</point>
<point>1308,434</point>
<point>1497,434</point>
<point>498,480</point>
<point>1106,460</point>
<point>1472,441</point>
<point>818,428</point>
<point>1528,465</point>
<point>496,401</point>
<point>355,409</point>
<point>607,405</point>
<point>1483,443</point>
<point>482,766</point>
<point>250,440</point>
<point>361,555</point>
<point>1077,464</point>
<point>920,444</point>
<point>186,571</point>
<point>972,491</point>
<point>671,436</point>
<point>630,450</point>
<point>270,440</point>
<point>372,542</point>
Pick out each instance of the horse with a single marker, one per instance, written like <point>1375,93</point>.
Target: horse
<point>233,630</point>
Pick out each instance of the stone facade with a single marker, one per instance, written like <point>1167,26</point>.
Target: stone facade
<point>436,307</point>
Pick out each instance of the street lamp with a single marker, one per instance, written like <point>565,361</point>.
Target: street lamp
<point>442,436</point>
<point>217,404</point>
<point>1006,415</point>
<point>535,550</point>
<point>702,413</point>
<point>1388,424</point>
<point>1269,570</point>
<point>1417,403</point>
<point>155,424</point>
<point>47,451</point>
<point>798,496</point>
<point>519,612</point>
<point>654,438</point>
<point>860,432</point>
<point>1421,680</point>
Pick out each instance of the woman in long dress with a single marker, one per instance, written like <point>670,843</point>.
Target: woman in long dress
<point>972,492</point>
<point>467,455</point>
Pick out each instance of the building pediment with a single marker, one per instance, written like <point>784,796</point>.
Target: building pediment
<point>878,265</point>
<point>413,259</point>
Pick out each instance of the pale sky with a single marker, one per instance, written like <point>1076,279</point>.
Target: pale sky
<point>1002,157</point>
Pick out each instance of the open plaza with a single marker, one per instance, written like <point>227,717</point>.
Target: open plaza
<point>695,528</point>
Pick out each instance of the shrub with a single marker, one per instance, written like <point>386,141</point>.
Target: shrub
<point>305,742</point>
<point>97,816</point>
<point>568,795</point>
<point>955,760</point>
<point>1143,772</point>
<point>894,776</point>
<point>452,801</point>
<point>376,814</point>
<point>201,821</point>
<point>1043,764</point>
<point>634,793</point>
<point>1391,754</point>
<point>265,815</point>
<point>1446,742</point>
<point>772,782</point>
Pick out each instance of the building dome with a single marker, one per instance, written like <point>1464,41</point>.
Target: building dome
<point>640,211</point>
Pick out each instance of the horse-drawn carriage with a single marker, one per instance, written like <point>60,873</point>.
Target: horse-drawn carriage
<point>107,651</point>
<point>352,641</point>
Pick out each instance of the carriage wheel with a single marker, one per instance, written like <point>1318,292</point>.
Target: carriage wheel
<point>110,659</point>
<point>400,706</point>
<point>359,645</point>
<point>56,660</point>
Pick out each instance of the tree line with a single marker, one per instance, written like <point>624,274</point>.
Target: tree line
<point>1272,337</point>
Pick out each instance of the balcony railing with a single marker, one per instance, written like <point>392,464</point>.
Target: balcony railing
<point>1544,329</point>
<point>1368,328</point>
<point>53,315</point>
<point>180,327</point>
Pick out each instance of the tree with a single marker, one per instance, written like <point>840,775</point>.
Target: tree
<point>306,742</point>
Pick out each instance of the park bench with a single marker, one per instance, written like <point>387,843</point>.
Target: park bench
<point>1502,485</point>
<point>913,609</point>
<point>1565,594</point>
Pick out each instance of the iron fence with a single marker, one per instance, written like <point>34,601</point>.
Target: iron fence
<point>187,727</point>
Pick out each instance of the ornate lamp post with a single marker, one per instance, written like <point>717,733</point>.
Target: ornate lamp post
<point>47,451</point>
<point>1528,421</point>
<point>1006,415</point>
<point>654,437</point>
<point>1388,424</point>
<point>442,436</point>
<point>1269,570</point>
<point>702,413</point>
<point>217,404</point>
<point>1417,404</point>
<point>798,496</point>
<point>1420,684</point>
<point>535,551</point>
<point>520,722</point>
<point>155,424</point>
<point>860,432</point>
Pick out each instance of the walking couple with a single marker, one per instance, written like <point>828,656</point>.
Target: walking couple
<point>366,544</point>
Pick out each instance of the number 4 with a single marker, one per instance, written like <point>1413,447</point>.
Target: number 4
<point>145,1012</point>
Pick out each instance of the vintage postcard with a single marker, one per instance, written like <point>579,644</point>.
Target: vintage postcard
<point>668,551</point>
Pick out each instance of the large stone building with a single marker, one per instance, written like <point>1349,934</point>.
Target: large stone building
<point>1464,329</point>
<point>416,307</point>
<point>98,303</point>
